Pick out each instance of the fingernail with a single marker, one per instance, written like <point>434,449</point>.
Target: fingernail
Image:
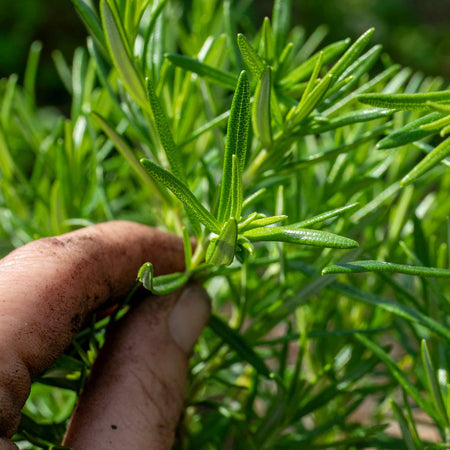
<point>189,316</point>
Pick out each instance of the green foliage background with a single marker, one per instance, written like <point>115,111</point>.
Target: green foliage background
<point>414,32</point>
<point>292,349</point>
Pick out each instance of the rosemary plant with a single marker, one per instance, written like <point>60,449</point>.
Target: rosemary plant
<point>258,144</point>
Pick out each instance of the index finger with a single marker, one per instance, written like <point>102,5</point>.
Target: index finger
<point>49,287</point>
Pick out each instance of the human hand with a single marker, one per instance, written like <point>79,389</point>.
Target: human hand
<point>49,287</point>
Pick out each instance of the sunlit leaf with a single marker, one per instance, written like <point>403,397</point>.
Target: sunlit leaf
<point>315,238</point>
<point>427,163</point>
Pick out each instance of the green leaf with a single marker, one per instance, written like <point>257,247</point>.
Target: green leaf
<point>304,109</point>
<point>433,385</point>
<point>145,275</point>
<point>324,216</point>
<point>187,249</point>
<point>398,309</point>
<point>404,427</point>
<point>381,266</point>
<point>205,128</point>
<point>436,125</point>
<point>312,81</point>
<point>63,69</point>
<point>359,116</point>
<point>164,284</point>
<point>221,250</point>
<point>217,76</point>
<point>285,61</point>
<point>261,117</point>
<point>397,374</point>
<point>312,43</point>
<point>330,153</point>
<point>238,344</point>
<point>431,160</point>
<point>258,223</point>
<point>315,238</point>
<point>439,107</point>
<point>236,189</point>
<point>91,21</point>
<point>156,12</point>
<point>281,15</point>
<point>405,101</point>
<point>379,80</point>
<point>352,75</point>
<point>268,40</point>
<point>409,133</point>
<point>124,150</point>
<point>29,82</point>
<point>351,54</point>
<point>251,199</point>
<point>306,69</point>
<point>252,60</point>
<point>237,136</point>
<point>121,53</point>
<point>182,192</point>
<point>165,135</point>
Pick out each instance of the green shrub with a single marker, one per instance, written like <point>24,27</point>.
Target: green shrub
<point>260,136</point>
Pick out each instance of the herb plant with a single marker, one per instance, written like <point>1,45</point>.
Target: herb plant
<point>258,145</point>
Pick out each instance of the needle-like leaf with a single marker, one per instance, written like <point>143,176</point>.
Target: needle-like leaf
<point>268,40</point>
<point>427,163</point>
<point>187,249</point>
<point>314,238</point>
<point>397,374</point>
<point>182,192</point>
<point>238,344</point>
<point>433,385</point>
<point>252,60</point>
<point>164,284</point>
<point>405,101</point>
<point>91,21</point>
<point>404,311</point>
<point>304,109</point>
<point>351,54</point>
<point>437,125</point>
<point>165,135</point>
<point>237,135</point>
<point>381,266</point>
<point>409,133</point>
<point>324,216</point>
<point>306,69</point>
<point>236,189</point>
<point>213,74</point>
<point>281,16</point>
<point>222,249</point>
<point>124,150</point>
<point>120,52</point>
<point>261,116</point>
<point>258,223</point>
<point>404,426</point>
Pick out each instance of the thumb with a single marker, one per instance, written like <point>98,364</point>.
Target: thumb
<point>134,396</point>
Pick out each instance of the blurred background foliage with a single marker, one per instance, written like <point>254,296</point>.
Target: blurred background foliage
<point>413,32</point>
